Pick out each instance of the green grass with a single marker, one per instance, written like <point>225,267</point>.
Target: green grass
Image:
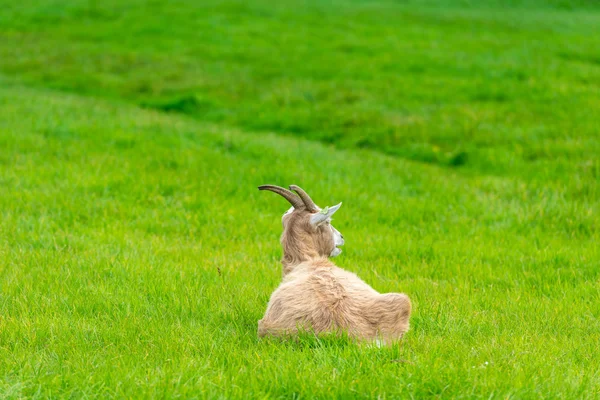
<point>494,90</point>
<point>137,255</point>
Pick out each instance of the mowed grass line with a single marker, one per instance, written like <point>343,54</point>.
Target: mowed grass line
<point>136,257</point>
<point>502,88</point>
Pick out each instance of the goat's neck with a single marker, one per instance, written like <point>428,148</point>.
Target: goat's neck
<point>298,248</point>
<point>291,261</point>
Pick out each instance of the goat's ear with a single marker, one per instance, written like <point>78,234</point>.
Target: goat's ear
<point>324,214</point>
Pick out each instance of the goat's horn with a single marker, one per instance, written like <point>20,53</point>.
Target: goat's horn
<point>289,196</point>
<point>308,202</point>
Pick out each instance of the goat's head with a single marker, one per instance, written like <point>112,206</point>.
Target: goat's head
<point>307,229</point>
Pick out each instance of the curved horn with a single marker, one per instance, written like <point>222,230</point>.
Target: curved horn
<point>308,202</point>
<point>289,196</point>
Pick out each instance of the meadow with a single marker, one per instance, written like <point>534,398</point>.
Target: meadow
<point>137,255</point>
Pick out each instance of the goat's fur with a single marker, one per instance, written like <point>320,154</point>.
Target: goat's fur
<point>316,295</point>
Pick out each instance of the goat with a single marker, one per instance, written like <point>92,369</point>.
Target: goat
<point>315,295</point>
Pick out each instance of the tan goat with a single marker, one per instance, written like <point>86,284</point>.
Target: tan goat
<point>316,295</point>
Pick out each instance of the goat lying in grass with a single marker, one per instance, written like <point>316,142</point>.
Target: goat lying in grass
<point>316,295</point>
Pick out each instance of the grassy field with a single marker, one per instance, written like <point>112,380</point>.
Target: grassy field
<point>137,255</point>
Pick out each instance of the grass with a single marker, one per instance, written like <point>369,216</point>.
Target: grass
<point>136,254</point>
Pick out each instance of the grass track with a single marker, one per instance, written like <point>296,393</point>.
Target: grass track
<point>136,254</point>
<point>494,89</point>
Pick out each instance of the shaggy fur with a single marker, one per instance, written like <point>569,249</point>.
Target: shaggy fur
<point>318,296</point>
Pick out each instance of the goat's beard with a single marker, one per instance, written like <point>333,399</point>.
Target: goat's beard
<point>335,252</point>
